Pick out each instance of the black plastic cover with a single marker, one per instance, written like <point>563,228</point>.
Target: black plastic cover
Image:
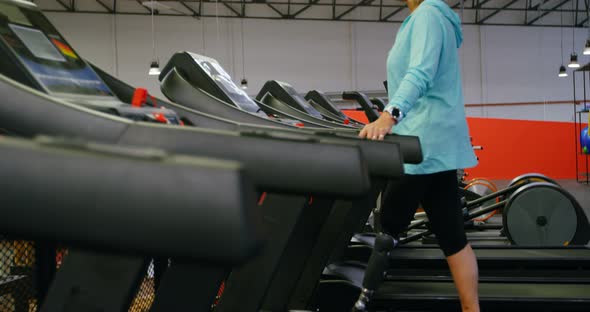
<point>276,161</point>
<point>364,101</point>
<point>127,200</point>
<point>282,96</point>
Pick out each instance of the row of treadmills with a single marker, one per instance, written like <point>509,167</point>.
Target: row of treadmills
<point>261,196</point>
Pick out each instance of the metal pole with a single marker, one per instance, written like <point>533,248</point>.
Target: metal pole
<point>584,109</point>
<point>575,126</point>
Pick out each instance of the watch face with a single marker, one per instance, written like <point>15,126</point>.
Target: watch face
<point>395,112</point>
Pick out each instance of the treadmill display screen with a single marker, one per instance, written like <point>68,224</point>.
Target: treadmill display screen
<point>46,55</point>
<point>224,81</point>
<point>308,108</point>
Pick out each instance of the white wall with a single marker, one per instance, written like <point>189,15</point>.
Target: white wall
<point>499,63</point>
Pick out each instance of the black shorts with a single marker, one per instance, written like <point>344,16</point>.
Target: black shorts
<point>438,194</point>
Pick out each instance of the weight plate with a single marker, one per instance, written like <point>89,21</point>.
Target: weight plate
<point>540,214</point>
<point>531,177</point>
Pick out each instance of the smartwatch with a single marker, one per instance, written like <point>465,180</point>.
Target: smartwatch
<point>395,113</point>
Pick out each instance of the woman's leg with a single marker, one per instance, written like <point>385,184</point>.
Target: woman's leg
<point>442,205</point>
<point>399,203</point>
<point>463,267</point>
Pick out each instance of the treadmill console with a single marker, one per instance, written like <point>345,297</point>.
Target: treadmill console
<point>34,53</point>
<point>207,74</point>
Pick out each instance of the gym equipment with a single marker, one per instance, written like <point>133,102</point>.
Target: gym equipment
<point>371,112</point>
<point>482,187</point>
<point>183,81</point>
<point>419,262</point>
<point>181,182</point>
<point>281,96</point>
<point>557,221</point>
<point>186,101</point>
<point>329,115</point>
<point>474,202</point>
<point>281,89</point>
<point>323,104</point>
<point>186,70</point>
<point>531,178</point>
<point>28,112</point>
<point>275,293</point>
<point>421,272</point>
<point>542,214</point>
<point>373,150</point>
<point>299,292</point>
<point>344,280</point>
<point>32,112</point>
<point>585,141</point>
<point>86,195</point>
<point>36,55</point>
<point>378,102</point>
<point>374,291</point>
<point>527,208</point>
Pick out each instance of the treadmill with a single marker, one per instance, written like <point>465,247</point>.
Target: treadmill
<point>238,295</point>
<point>210,80</point>
<point>204,100</point>
<point>88,197</point>
<point>185,78</point>
<point>277,163</point>
<point>179,91</point>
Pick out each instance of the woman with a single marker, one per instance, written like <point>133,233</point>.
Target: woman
<point>426,100</point>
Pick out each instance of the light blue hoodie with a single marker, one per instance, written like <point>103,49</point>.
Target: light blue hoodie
<point>424,82</point>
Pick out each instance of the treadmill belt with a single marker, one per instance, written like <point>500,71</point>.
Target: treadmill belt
<point>487,291</point>
<point>512,254</point>
<point>547,276</point>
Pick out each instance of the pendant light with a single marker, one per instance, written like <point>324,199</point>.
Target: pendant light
<point>155,64</point>
<point>573,57</point>
<point>244,82</point>
<point>562,70</point>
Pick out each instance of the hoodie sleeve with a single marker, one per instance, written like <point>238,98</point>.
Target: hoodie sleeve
<point>426,44</point>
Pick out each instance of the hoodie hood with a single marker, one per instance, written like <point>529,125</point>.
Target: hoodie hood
<point>450,15</point>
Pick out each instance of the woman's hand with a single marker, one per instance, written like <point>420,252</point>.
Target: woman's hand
<point>378,128</point>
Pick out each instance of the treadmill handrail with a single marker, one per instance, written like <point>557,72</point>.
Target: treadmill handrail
<point>364,101</point>
<point>273,94</point>
<point>320,99</point>
<point>90,195</point>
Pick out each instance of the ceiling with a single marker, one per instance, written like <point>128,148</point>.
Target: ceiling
<point>475,12</point>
